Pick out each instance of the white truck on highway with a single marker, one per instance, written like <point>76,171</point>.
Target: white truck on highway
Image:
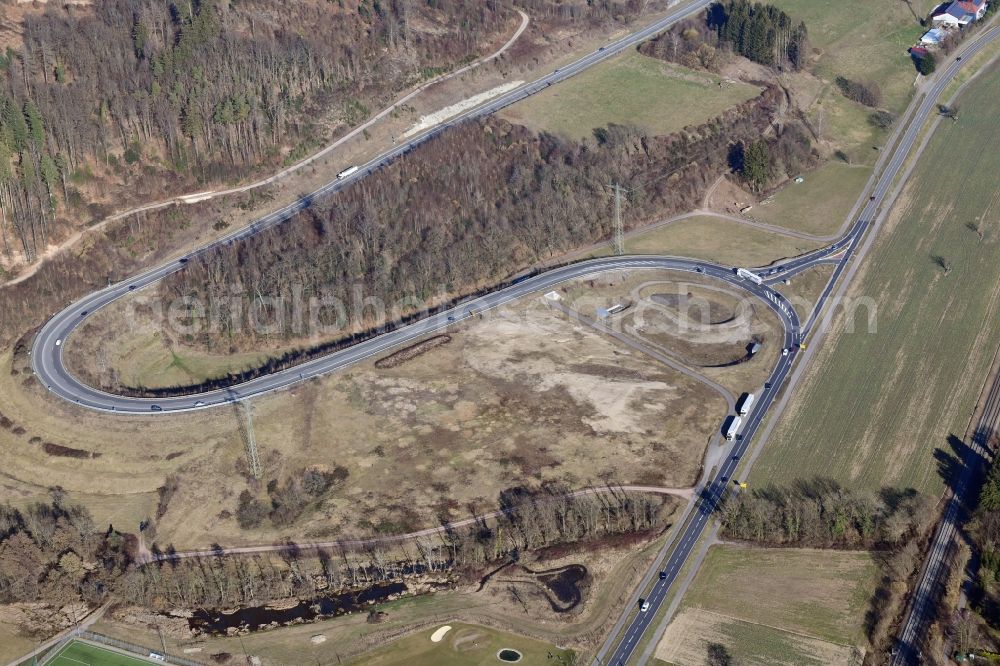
<point>732,426</point>
<point>744,404</point>
<point>749,275</point>
<point>346,172</point>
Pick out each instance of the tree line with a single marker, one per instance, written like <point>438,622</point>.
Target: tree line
<point>530,521</point>
<point>54,553</point>
<point>821,513</point>
<point>984,530</point>
<point>762,33</point>
<point>200,90</point>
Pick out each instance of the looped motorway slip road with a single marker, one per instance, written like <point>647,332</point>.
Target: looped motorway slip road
<point>47,349</point>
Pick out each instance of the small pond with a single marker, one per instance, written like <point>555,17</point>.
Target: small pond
<point>509,655</point>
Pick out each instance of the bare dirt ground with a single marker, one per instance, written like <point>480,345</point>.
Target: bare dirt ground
<point>726,196</point>
<point>523,398</point>
<point>707,327</point>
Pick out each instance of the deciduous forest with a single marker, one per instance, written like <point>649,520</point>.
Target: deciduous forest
<point>532,521</point>
<point>462,211</point>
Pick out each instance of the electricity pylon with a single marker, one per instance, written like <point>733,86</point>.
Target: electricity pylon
<point>250,442</point>
<point>619,240</point>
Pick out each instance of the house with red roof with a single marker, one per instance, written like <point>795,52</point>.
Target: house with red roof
<point>960,13</point>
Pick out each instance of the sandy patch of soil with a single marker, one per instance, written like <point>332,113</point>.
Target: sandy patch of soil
<point>728,197</point>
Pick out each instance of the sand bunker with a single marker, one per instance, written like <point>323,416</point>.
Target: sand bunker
<point>438,635</point>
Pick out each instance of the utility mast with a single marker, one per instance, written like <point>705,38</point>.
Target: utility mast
<point>250,441</point>
<point>619,240</point>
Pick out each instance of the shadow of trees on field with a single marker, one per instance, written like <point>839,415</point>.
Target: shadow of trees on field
<point>719,655</point>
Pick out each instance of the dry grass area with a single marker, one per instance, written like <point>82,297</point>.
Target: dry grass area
<point>705,325</point>
<point>687,640</point>
<point>130,343</point>
<point>774,606</point>
<point>12,644</point>
<point>127,457</point>
<point>709,328</point>
<point>522,398</point>
<point>822,593</point>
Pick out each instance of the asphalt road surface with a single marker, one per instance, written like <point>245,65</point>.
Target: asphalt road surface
<point>724,478</point>
<point>46,349</point>
<point>635,623</point>
<point>47,359</point>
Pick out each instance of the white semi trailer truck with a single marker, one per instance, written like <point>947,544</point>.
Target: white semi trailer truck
<point>732,426</point>
<point>749,275</point>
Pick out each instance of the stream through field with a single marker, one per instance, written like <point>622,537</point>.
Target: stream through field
<point>257,617</point>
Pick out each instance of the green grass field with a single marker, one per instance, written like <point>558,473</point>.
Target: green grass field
<point>464,645</point>
<point>699,237</point>
<point>820,204</point>
<point>77,653</point>
<point>693,633</point>
<point>845,125</point>
<point>878,408</point>
<point>820,593</point>
<point>773,606</point>
<point>864,40</point>
<point>629,89</point>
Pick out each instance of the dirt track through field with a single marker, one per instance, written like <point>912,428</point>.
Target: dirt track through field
<point>685,493</point>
